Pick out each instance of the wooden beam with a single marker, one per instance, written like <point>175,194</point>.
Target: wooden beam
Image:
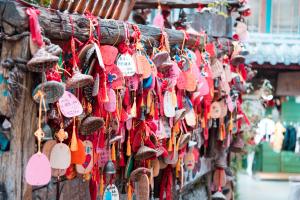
<point>277,67</point>
<point>142,4</point>
<point>56,26</point>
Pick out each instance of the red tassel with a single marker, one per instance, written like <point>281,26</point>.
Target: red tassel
<point>166,184</point>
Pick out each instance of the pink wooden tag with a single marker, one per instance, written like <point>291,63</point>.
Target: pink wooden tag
<point>38,170</point>
<point>103,156</point>
<point>181,81</point>
<point>115,77</point>
<point>132,82</point>
<point>129,124</point>
<point>203,87</point>
<point>169,108</point>
<point>111,105</point>
<point>229,103</point>
<point>70,105</point>
<point>109,54</point>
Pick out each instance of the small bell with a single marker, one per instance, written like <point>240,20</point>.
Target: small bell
<point>48,132</point>
<point>109,168</point>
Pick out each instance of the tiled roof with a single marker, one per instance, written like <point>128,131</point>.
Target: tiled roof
<point>274,49</point>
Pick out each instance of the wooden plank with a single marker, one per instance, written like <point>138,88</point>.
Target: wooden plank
<point>140,4</point>
<point>288,84</point>
<point>12,163</point>
<point>274,176</point>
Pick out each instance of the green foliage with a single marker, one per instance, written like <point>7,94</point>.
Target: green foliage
<point>44,3</point>
<point>217,5</point>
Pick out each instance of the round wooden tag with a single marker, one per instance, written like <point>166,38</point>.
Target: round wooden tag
<point>60,157</point>
<point>111,193</point>
<point>87,166</point>
<point>126,64</point>
<point>78,157</point>
<point>38,170</point>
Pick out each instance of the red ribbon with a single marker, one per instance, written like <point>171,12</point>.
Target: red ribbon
<point>34,26</point>
<point>166,184</point>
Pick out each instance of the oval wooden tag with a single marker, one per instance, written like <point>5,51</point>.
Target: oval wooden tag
<point>190,117</point>
<point>191,81</point>
<point>38,170</point>
<point>132,82</point>
<point>126,64</point>
<point>87,166</point>
<point>143,190</point>
<point>181,81</point>
<point>143,66</point>
<point>103,156</point>
<point>111,105</point>
<point>215,110</point>
<point>70,105</point>
<point>109,54</point>
<point>78,157</point>
<point>115,78</point>
<point>169,108</point>
<point>203,86</point>
<point>60,157</point>
<point>111,193</point>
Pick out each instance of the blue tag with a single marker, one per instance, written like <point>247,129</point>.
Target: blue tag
<point>5,93</point>
<point>108,195</point>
